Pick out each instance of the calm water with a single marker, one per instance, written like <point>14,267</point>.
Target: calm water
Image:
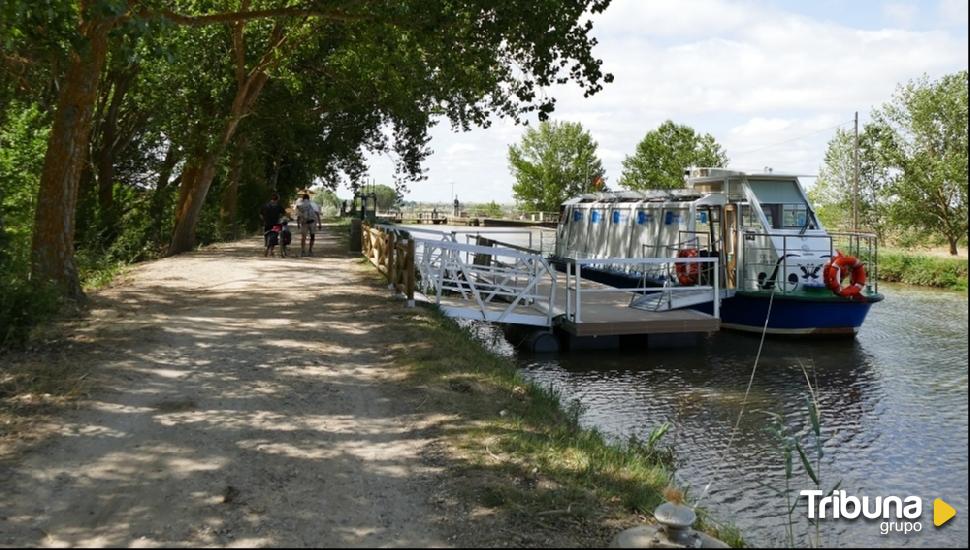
<point>894,404</point>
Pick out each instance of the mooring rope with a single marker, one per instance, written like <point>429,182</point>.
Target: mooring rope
<point>744,401</point>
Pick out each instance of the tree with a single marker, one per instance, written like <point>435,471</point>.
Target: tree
<point>924,138</point>
<point>387,197</point>
<point>664,153</point>
<point>404,50</point>
<point>554,162</point>
<point>491,210</point>
<point>832,193</point>
<point>328,201</point>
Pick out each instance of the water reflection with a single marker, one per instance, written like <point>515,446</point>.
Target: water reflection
<point>894,404</point>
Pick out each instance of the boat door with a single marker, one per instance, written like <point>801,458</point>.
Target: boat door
<point>729,248</point>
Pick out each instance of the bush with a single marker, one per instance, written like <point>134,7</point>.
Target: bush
<point>949,273</point>
<point>23,304</point>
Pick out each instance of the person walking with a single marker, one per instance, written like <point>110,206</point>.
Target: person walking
<point>307,221</point>
<point>271,212</point>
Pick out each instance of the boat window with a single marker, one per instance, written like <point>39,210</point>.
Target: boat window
<point>789,216</point>
<point>748,217</point>
<point>783,204</point>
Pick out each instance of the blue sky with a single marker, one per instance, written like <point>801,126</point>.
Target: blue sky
<point>769,80</point>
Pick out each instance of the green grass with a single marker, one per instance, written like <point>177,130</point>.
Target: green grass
<point>917,269</point>
<point>519,430</point>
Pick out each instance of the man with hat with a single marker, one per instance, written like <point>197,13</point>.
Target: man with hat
<point>307,220</point>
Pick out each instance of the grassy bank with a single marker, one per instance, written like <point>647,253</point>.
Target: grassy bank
<point>900,266</point>
<point>527,455</point>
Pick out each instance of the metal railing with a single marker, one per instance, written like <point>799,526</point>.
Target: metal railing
<point>575,290</point>
<point>539,240</point>
<point>775,262</point>
<point>493,289</point>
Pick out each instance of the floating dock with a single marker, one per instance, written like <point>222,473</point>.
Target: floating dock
<point>513,285</point>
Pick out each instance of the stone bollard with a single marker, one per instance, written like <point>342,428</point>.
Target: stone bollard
<point>673,530</point>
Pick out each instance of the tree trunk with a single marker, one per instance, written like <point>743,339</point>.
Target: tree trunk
<point>112,143</point>
<point>52,249</point>
<point>953,244</point>
<point>196,179</point>
<point>230,198</point>
<point>161,189</point>
<point>194,189</point>
<point>249,84</point>
<point>106,175</point>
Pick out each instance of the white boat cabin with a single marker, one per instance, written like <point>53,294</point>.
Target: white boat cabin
<point>760,225</point>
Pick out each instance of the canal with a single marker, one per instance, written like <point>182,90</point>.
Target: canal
<point>893,401</point>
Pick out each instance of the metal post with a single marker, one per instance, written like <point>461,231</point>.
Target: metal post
<point>569,298</point>
<point>579,279</point>
<point>855,176</point>
<point>717,290</point>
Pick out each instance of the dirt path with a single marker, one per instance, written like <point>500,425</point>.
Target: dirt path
<point>242,401</point>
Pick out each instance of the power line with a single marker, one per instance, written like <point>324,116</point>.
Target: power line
<point>794,138</point>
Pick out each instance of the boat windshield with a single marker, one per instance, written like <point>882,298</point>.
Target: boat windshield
<point>783,204</point>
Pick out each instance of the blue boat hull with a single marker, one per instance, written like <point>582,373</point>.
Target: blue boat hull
<point>791,316</point>
<point>794,314</point>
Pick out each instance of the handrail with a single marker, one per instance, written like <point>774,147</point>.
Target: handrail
<point>574,278</point>
<point>869,256</point>
<point>445,266</point>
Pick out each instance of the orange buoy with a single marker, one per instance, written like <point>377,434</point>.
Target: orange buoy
<point>687,273</point>
<point>840,267</point>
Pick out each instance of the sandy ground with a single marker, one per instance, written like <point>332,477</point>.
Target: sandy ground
<point>241,401</point>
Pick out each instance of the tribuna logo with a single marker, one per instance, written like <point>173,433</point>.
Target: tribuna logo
<point>897,513</point>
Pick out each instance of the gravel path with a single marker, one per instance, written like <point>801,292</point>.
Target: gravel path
<point>242,401</point>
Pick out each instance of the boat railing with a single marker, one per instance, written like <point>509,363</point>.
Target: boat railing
<point>575,289</point>
<point>694,240</point>
<point>769,264</point>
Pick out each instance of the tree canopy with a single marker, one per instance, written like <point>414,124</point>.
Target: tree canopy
<point>153,104</point>
<point>553,162</point>
<point>923,130</point>
<point>832,192</point>
<point>913,166</point>
<point>663,154</point>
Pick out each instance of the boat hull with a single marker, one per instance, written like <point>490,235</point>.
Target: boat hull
<point>792,315</point>
<point>808,312</point>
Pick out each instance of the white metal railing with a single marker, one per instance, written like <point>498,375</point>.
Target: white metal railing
<point>538,240</point>
<point>575,290</point>
<point>496,289</point>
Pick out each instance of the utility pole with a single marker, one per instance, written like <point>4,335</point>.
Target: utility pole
<point>855,176</point>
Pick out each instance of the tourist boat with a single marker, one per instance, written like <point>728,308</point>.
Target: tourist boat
<point>774,254</point>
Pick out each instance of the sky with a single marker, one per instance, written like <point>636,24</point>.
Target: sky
<point>771,81</point>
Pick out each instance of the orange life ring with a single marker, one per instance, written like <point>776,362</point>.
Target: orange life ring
<point>838,268</point>
<point>687,273</point>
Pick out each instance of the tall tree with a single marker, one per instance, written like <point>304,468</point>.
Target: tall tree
<point>662,155</point>
<point>508,51</point>
<point>832,192</point>
<point>553,162</point>
<point>924,129</point>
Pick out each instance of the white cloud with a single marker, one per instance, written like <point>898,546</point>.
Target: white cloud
<point>460,148</point>
<point>752,74</point>
<point>953,12</point>
<point>900,14</point>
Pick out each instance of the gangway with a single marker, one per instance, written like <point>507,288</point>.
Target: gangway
<point>488,280</point>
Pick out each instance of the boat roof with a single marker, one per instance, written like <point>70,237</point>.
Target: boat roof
<point>694,176</point>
